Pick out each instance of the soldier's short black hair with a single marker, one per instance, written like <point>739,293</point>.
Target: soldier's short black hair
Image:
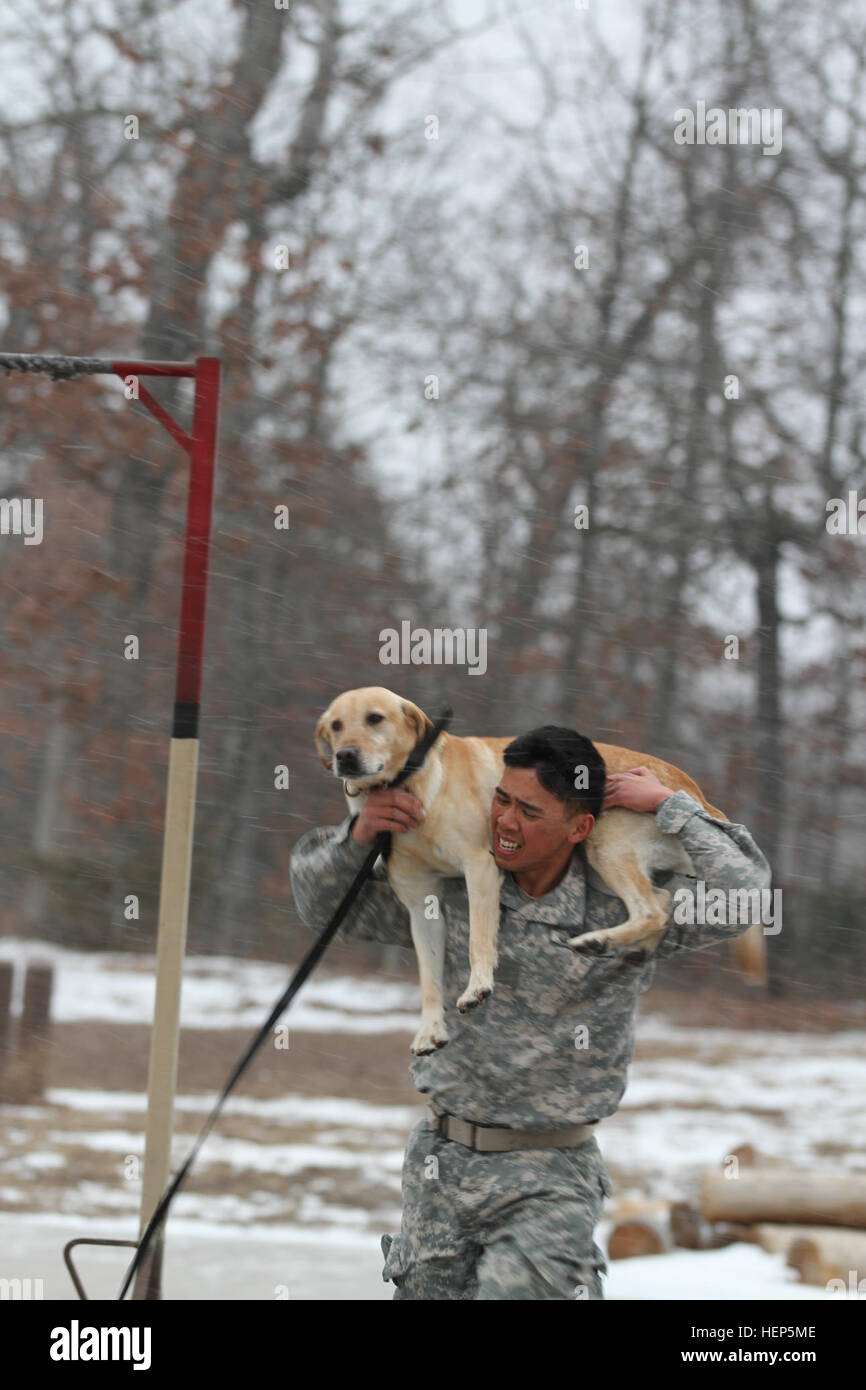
<point>566,764</point>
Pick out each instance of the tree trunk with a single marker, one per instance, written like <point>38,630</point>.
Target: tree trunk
<point>55,756</point>
<point>769,719</point>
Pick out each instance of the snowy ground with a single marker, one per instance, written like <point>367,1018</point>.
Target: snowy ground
<point>205,1261</point>
<point>289,1196</point>
<point>218,992</point>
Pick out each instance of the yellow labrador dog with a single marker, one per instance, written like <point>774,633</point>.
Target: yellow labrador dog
<point>365,736</point>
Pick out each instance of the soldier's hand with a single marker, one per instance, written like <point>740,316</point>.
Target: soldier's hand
<point>636,790</point>
<point>387,808</point>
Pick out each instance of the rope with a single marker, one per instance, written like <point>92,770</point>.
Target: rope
<point>58,368</point>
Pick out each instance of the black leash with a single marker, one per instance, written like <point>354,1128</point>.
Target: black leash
<point>380,845</point>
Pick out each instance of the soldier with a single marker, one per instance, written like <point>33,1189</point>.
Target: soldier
<point>504,1183</point>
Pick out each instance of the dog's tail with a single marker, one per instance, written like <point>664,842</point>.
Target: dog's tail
<point>750,954</point>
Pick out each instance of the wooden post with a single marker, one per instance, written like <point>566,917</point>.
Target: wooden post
<point>5,1004</point>
<point>164,1038</point>
<point>5,1030</point>
<point>34,1031</point>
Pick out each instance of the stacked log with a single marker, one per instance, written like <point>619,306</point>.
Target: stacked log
<point>650,1226</point>
<point>691,1232</point>
<point>786,1197</point>
<point>747,1156</point>
<point>641,1226</point>
<point>827,1254</point>
<point>816,1219</point>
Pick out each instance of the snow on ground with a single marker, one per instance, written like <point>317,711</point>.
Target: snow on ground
<point>205,1260</point>
<point>218,992</point>
<point>309,1109</point>
<point>796,1096</point>
<point>284,1159</point>
<point>739,1273</point>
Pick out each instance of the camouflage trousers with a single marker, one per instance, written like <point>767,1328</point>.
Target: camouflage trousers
<point>497,1226</point>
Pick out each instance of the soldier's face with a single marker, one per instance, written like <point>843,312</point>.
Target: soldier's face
<point>528,824</point>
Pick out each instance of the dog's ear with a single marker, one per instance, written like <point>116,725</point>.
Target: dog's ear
<point>323,747</point>
<point>416,719</point>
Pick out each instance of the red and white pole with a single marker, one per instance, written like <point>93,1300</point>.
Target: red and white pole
<point>179,819</point>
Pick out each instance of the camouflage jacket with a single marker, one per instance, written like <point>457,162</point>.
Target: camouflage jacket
<point>552,1045</point>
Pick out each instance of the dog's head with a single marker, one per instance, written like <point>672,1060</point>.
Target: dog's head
<point>365,736</point>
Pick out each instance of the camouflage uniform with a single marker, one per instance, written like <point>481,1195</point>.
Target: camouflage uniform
<point>550,1048</point>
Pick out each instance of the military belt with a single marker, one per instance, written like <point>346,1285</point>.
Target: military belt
<point>488,1139</point>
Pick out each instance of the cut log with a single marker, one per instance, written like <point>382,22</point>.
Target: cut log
<point>631,1238</point>
<point>687,1226</point>
<point>750,1157</point>
<point>827,1253</point>
<point>819,1253</point>
<point>689,1230</point>
<point>802,1198</point>
<point>777,1240</point>
<point>628,1205</point>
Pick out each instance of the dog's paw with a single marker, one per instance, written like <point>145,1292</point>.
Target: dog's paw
<point>474,994</point>
<point>429,1038</point>
<point>594,943</point>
